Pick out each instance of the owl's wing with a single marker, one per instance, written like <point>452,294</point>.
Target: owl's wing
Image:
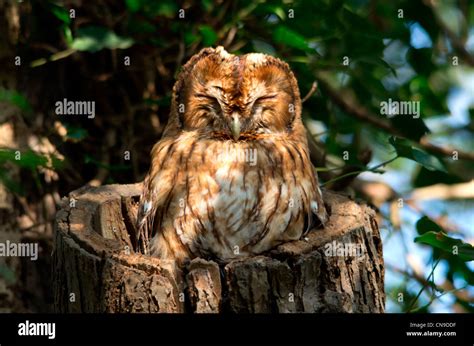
<point>145,217</point>
<point>157,188</point>
<point>318,208</point>
<point>318,215</point>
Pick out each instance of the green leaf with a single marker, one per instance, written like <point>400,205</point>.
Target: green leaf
<point>207,5</point>
<point>441,240</point>
<point>15,98</point>
<point>9,183</point>
<point>68,34</point>
<point>61,13</point>
<point>164,8</point>
<point>95,38</point>
<point>133,5</point>
<point>190,38</point>
<point>209,36</point>
<point>23,159</point>
<point>290,38</point>
<point>27,159</point>
<point>276,9</point>
<point>425,224</point>
<point>406,150</point>
<point>428,161</point>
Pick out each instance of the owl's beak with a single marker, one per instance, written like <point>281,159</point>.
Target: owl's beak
<point>235,126</point>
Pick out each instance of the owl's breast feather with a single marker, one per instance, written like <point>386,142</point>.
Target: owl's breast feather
<point>235,199</point>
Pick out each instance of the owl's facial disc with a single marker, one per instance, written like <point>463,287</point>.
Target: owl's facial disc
<point>240,98</point>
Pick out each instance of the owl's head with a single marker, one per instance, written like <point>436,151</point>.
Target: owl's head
<point>235,97</point>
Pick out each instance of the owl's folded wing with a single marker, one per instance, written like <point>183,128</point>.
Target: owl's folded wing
<point>157,188</point>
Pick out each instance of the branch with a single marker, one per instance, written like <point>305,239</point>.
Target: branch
<point>350,106</point>
<point>444,151</point>
<point>445,287</point>
<point>413,275</point>
<point>443,191</point>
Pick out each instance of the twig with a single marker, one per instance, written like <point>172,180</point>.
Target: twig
<point>230,36</point>
<point>434,297</point>
<point>311,91</point>
<point>372,169</point>
<point>423,288</point>
<point>421,280</point>
<point>56,56</point>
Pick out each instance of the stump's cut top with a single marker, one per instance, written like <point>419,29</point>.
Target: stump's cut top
<point>95,236</point>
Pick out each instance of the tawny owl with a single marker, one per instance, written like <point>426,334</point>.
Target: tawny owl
<point>231,176</point>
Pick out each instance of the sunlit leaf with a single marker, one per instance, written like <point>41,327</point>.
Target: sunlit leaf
<point>441,240</point>
<point>68,34</point>
<point>95,38</point>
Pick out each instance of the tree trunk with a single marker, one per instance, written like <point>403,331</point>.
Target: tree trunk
<point>95,269</point>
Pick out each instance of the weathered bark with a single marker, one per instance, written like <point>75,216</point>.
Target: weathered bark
<point>96,269</point>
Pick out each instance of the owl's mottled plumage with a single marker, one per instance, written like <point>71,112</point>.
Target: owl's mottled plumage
<point>205,195</point>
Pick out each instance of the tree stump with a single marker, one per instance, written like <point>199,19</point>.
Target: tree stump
<point>95,269</point>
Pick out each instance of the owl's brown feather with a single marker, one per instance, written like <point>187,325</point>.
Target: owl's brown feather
<point>204,195</point>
